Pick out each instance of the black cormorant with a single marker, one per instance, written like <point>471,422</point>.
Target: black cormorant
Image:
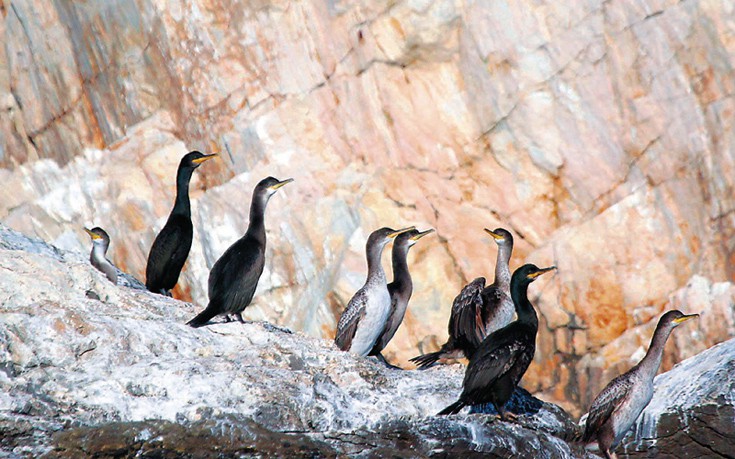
<point>478,310</point>
<point>234,277</point>
<point>498,365</point>
<point>400,289</point>
<point>367,311</point>
<point>621,402</point>
<point>171,247</point>
<point>100,243</point>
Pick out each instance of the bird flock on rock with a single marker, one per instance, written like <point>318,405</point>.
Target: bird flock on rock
<point>493,326</point>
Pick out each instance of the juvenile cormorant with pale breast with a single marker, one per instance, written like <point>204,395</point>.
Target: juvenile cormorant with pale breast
<point>171,247</point>
<point>364,319</point>
<point>400,289</point>
<point>621,402</point>
<point>98,258</point>
<point>478,310</point>
<point>234,277</point>
<point>502,359</point>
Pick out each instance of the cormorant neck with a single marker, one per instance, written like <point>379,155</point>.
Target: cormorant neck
<point>502,266</point>
<point>652,360</point>
<point>256,227</point>
<point>97,257</point>
<point>375,268</point>
<point>182,206</point>
<point>401,276</point>
<point>99,261</point>
<point>524,308</point>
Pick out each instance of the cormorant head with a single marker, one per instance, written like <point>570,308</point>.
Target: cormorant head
<point>501,236</point>
<point>99,236</point>
<point>410,237</point>
<point>380,237</point>
<point>528,273</point>
<point>269,185</point>
<point>675,317</point>
<point>194,159</point>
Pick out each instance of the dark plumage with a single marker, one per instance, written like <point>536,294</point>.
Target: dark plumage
<point>621,402</point>
<point>234,277</point>
<point>500,362</point>
<point>364,319</point>
<point>478,310</point>
<point>100,244</point>
<point>171,247</point>
<point>400,289</point>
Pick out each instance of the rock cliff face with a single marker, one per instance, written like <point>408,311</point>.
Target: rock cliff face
<point>600,134</point>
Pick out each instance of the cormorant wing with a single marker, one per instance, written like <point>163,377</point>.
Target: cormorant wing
<point>465,321</point>
<point>128,280</point>
<point>351,317</point>
<point>234,276</point>
<point>605,404</point>
<point>392,316</point>
<point>167,247</point>
<point>498,354</point>
<point>492,301</point>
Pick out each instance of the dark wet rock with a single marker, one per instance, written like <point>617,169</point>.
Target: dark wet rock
<point>476,436</point>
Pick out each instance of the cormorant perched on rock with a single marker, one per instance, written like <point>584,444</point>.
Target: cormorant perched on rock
<point>364,319</point>
<point>400,289</point>
<point>100,243</point>
<point>234,277</point>
<point>478,310</point>
<point>499,363</point>
<point>621,402</point>
<point>171,247</point>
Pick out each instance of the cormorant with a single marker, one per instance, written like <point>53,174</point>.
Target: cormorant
<point>621,402</point>
<point>234,277</point>
<point>100,243</point>
<point>478,310</point>
<point>171,247</point>
<point>498,365</point>
<point>400,289</point>
<point>367,311</point>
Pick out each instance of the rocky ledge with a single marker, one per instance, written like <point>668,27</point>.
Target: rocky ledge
<point>92,369</point>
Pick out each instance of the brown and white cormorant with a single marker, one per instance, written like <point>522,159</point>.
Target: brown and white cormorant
<point>478,310</point>
<point>234,277</point>
<point>364,319</point>
<point>100,244</point>
<point>171,247</point>
<point>400,289</point>
<point>502,359</point>
<point>621,402</point>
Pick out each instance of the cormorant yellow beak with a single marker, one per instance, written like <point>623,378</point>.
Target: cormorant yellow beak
<point>400,231</point>
<point>204,158</point>
<point>280,184</point>
<point>495,235</point>
<point>540,272</point>
<point>685,318</point>
<point>92,235</point>
<point>422,234</point>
